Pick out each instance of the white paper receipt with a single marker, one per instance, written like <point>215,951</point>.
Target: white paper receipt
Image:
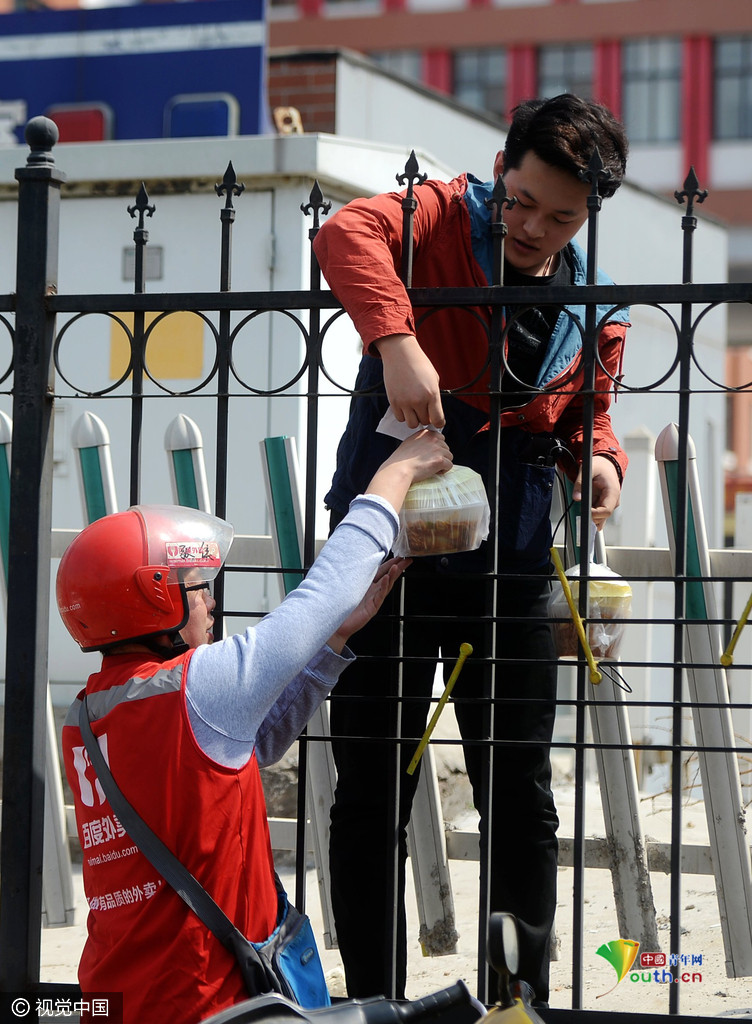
<point>391,425</point>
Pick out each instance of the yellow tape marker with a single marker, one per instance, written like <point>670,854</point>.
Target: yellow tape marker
<point>465,651</point>
<point>595,674</point>
<point>727,657</point>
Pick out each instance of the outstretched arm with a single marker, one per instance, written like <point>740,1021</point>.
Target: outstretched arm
<point>270,678</point>
<point>420,456</point>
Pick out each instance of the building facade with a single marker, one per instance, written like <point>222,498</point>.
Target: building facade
<point>679,75</point>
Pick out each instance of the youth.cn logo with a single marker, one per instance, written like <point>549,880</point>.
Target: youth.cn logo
<point>621,954</point>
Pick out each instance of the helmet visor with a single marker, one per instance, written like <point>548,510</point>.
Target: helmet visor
<point>191,543</point>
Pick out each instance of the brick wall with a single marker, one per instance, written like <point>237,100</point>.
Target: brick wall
<point>307,81</point>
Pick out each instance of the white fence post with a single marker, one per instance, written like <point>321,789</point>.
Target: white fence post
<point>739,682</point>
<point>711,714</point>
<point>636,528</point>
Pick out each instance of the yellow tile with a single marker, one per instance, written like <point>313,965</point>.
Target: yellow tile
<point>174,351</point>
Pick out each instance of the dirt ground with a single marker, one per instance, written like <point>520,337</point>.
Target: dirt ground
<point>710,993</point>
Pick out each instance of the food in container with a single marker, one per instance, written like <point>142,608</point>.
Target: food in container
<point>609,604</point>
<point>443,515</point>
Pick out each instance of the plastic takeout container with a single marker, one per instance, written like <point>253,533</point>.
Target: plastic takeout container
<point>609,604</point>
<point>445,514</point>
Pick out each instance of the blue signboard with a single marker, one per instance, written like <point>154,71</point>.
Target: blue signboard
<point>148,71</point>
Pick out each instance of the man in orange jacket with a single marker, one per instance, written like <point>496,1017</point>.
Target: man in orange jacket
<point>431,367</point>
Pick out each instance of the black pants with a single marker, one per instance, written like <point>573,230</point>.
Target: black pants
<point>368,821</point>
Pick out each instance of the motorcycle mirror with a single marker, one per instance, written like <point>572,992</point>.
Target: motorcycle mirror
<point>502,952</point>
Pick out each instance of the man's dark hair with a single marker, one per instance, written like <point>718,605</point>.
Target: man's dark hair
<point>564,131</point>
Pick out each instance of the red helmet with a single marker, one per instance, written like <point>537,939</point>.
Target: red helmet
<point>120,579</point>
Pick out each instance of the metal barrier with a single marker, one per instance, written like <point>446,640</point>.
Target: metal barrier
<point>39,378</point>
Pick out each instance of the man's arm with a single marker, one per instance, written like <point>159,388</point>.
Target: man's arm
<point>609,459</point>
<point>606,489</point>
<point>359,250</point>
<point>411,381</point>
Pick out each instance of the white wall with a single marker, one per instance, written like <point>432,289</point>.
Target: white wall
<point>373,105</point>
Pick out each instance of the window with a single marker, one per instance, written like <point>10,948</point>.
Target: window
<point>652,90</point>
<point>566,69</point>
<point>732,101</point>
<point>480,79</point>
<point>406,63</point>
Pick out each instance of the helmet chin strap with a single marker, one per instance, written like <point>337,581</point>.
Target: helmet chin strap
<point>179,646</point>
<point>175,647</point>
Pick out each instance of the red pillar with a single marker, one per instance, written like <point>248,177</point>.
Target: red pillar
<point>437,70</point>
<point>607,74</point>
<point>310,8</point>
<point>697,105</point>
<point>522,75</point>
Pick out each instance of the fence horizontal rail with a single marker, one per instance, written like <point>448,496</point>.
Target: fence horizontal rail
<point>649,563</point>
<point>598,295</point>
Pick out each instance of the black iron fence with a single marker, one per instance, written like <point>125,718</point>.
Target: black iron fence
<point>38,321</point>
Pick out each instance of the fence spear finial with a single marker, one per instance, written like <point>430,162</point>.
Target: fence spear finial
<point>595,173</point>
<point>316,204</point>
<point>411,175</point>
<point>230,186</point>
<point>496,203</point>
<point>142,207</point>
<point>691,192</point>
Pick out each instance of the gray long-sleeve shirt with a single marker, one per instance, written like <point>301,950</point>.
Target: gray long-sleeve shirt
<point>259,688</point>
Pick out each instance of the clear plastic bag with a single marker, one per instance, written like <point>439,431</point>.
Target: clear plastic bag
<point>444,514</point>
<point>609,604</point>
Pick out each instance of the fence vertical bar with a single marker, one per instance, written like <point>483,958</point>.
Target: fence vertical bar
<point>229,187</point>
<point>6,435</point>
<point>316,206</point>
<point>141,208</point>
<point>57,883</point>
<point>690,193</point>
<point>496,203</point>
<point>595,174</point>
<point>279,462</point>
<point>410,178</point>
<point>30,523</point>
<point>617,776</point>
<point>316,771</point>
